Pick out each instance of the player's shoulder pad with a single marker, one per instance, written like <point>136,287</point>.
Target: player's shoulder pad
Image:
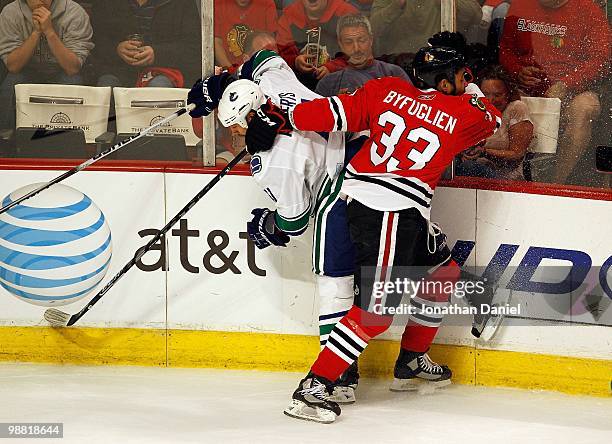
<point>258,63</point>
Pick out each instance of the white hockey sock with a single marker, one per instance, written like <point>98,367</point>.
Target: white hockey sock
<point>335,299</point>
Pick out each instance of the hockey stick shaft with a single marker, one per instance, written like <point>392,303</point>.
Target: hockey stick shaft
<point>97,157</point>
<point>141,251</point>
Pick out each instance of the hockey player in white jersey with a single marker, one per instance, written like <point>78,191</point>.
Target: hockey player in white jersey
<point>301,176</point>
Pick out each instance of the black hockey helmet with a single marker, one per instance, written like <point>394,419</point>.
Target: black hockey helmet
<point>432,64</point>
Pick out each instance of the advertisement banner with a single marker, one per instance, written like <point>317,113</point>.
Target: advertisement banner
<point>205,275</point>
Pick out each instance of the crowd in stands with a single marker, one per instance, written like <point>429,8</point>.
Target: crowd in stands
<point>538,48</point>
<point>129,43</point>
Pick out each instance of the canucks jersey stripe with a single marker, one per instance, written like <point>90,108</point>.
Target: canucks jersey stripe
<point>261,59</point>
<point>329,198</point>
<point>294,226</point>
<point>324,191</point>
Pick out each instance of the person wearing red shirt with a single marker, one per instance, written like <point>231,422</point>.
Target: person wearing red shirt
<point>234,20</point>
<point>559,48</point>
<point>296,20</point>
<point>389,183</point>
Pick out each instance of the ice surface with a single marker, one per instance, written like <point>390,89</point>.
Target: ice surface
<point>162,405</point>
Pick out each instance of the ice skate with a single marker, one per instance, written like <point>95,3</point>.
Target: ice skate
<point>487,319</point>
<point>344,388</point>
<point>486,322</point>
<point>310,401</point>
<point>415,371</point>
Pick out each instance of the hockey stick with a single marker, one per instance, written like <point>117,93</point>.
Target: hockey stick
<point>97,157</point>
<point>58,318</point>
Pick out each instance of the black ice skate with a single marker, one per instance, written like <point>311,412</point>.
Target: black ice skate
<point>488,317</point>
<point>344,388</point>
<point>310,401</point>
<point>415,370</point>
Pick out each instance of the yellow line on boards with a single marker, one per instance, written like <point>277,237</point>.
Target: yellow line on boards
<point>262,351</point>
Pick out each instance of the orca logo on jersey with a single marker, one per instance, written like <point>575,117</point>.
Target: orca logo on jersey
<point>255,165</point>
<point>233,97</point>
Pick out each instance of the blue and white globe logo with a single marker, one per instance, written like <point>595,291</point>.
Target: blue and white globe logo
<point>54,247</point>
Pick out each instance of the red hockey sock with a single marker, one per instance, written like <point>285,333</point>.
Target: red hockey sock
<point>347,340</point>
<point>422,328</point>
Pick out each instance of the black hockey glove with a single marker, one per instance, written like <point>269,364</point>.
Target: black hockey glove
<point>263,231</point>
<point>206,93</point>
<point>268,122</point>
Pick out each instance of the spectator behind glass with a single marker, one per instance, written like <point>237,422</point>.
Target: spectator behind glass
<point>559,48</point>
<point>355,40</point>
<point>257,41</point>
<point>503,153</point>
<point>403,26</point>
<point>41,41</point>
<point>147,42</point>
<point>234,21</point>
<point>491,10</point>
<point>296,20</point>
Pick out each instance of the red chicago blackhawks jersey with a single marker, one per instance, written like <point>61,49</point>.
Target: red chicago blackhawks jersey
<point>414,136</point>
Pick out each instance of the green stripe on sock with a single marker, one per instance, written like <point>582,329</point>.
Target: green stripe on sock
<point>326,329</point>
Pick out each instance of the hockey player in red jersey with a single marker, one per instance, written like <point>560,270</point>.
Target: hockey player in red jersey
<point>389,184</point>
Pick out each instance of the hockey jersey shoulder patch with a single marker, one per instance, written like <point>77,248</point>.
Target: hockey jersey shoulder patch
<point>256,165</point>
<point>477,103</point>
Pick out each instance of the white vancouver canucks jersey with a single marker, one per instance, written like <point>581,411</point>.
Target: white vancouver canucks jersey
<point>298,167</point>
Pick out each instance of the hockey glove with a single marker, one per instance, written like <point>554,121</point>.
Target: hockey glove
<point>265,125</point>
<point>263,231</point>
<point>206,93</point>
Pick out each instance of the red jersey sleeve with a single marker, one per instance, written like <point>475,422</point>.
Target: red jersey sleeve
<point>479,121</point>
<point>346,112</point>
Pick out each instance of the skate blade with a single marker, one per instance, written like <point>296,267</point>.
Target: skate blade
<point>300,410</point>
<point>343,395</point>
<point>417,384</point>
<point>491,328</point>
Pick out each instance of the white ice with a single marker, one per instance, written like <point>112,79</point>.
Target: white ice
<point>163,405</point>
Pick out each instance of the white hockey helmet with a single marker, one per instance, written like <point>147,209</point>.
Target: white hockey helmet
<point>239,98</point>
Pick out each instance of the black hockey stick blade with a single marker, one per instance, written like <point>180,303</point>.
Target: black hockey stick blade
<point>97,157</point>
<point>58,318</point>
